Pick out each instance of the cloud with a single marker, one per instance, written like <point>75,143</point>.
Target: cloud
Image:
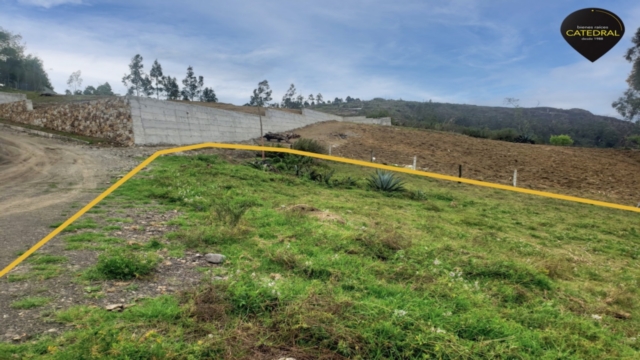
<point>49,3</point>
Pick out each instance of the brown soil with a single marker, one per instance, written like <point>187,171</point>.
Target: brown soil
<point>603,174</point>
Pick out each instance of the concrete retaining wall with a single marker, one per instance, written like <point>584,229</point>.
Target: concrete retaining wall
<point>162,122</point>
<point>10,97</point>
<point>145,121</point>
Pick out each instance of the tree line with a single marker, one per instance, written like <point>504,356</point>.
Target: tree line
<point>19,70</point>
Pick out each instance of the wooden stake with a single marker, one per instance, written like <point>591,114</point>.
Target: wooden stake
<point>515,177</point>
<point>415,158</point>
<point>372,157</point>
<point>459,172</point>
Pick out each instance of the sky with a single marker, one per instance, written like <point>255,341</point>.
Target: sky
<point>455,51</point>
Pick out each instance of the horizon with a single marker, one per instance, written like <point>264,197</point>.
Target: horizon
<point>491,51</point>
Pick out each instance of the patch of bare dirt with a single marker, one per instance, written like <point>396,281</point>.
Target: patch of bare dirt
<point>317,213</point>
<point>604,174</point>
<point>173,274</point>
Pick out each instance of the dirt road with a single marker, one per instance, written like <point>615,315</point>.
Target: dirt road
<point>41,178</point>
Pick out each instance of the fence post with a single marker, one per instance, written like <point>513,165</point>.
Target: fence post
<point>414,162</point>
<point>372,157</point>
<point>330,146</point>
<point>515,177</point>
<point>459,172</point>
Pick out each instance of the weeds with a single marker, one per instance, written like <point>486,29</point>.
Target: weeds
<point>122,264</point>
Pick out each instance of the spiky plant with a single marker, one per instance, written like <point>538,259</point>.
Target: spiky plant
<point>386,181</point>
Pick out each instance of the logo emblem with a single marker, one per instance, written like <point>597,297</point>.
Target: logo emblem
<point>592,32</point>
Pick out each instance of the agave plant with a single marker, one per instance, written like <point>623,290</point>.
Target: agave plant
<point>386,181</point>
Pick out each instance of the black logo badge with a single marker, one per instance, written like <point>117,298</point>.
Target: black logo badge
<point>592,32</point>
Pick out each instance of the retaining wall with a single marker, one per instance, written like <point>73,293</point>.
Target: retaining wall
<point>9,97</point>
<point>145,121</point>
<point>106,118</point>
<point>163,122</point>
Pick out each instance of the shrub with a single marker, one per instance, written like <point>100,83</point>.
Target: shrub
<point>230,212</point>
<point>377,114</point>
<point>561,140</point>
<point>633,140</point>
<point>309,145</point>
<point>123,264</point>
<point>386,181</point>
<point>505,135</point>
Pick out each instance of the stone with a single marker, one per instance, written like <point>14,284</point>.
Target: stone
<point>215,258</point>
<point>117,307</point>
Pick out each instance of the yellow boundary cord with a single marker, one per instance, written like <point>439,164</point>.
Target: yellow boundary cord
<point>296,152</point>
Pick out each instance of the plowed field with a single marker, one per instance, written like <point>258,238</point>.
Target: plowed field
<point>611,175</point>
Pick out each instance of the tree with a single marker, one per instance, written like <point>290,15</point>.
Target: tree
<point>156,76</point>
<point>104,89</point>
<point>171,88</point>
<point>78,92</point>
<point>147,86</point>
<point>319,99</point>
<point>192,86</point>
<point>290,101</point>
<point>89,90</point>
<point>337,100</point>
<point>75,81</point>
<point>629,104</point>
<point>135,81</point>
<point>349,99</point>
<point>260,97</point>
<point>311,100</point>
<point>522,125</point>
<point>208,95</point>
<point>25,72</point>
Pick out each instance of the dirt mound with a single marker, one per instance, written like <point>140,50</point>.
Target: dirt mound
<point>603,174</point>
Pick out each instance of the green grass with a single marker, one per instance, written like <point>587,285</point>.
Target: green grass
<point>42,271</point>
<point>501,275</point>
<point>30,302</point>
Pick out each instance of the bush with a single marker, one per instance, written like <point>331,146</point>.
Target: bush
<point>386,181</point>
<point>505,135</point>
<point>123,264</point>
<point>561,140</point>
<point>309,145</point>
<point>377,114</point>
<point>230,212</point>
<point>633,140</point>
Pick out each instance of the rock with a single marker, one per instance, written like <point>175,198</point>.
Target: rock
<point>215,258</point>
<point>117,307</point>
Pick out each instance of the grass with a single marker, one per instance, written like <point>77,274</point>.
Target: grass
<point>499,275</point>
<point>29,302</point>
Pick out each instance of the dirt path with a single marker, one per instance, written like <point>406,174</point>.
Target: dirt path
<point>41,178</point>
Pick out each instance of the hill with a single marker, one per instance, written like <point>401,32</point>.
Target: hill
<point>500,123</point>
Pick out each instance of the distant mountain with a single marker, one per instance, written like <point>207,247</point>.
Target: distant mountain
<point>501,123</point>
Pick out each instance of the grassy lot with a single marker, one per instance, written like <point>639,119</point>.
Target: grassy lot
<point>441,270</point>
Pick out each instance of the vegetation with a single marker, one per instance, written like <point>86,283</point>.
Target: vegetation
<point>562,140</point>
<point>309,145</point>
<point>386,181</point>
<point>499,275</point>
<point>628,105</point>
<point>17,69</point>
<point>513,124</point>
<point>29,302</point>
<point>122,264</point>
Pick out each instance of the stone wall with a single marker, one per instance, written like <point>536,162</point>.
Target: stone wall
<point>106,118</point>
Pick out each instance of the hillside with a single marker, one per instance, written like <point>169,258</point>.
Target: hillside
<point>602,174</point>
<point>585,128</point>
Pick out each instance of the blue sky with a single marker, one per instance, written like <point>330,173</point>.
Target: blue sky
<point>458,51</point>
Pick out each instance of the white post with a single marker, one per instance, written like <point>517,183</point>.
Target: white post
<point>330,150</point>
<point>414,162</point>
<point>515,177</point>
